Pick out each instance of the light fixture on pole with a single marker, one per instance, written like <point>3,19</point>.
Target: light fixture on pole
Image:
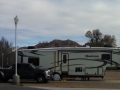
<point>16,78</point>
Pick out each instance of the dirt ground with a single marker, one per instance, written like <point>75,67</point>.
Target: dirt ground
<point>111,80</point>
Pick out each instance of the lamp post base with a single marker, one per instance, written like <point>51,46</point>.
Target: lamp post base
<point>16,79</point>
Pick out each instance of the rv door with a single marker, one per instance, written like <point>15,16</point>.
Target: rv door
<point>64,63</point>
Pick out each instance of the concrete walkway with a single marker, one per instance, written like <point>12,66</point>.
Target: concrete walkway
<point>49,88</point>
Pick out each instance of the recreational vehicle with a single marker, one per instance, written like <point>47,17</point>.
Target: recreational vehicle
<point>81,62</point>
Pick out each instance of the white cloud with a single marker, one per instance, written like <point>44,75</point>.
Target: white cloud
<point>59,19</point>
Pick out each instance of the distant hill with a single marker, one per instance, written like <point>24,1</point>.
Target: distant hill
<point>58,43</point>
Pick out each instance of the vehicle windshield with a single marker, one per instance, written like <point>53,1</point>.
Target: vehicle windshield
<point>33,66</point>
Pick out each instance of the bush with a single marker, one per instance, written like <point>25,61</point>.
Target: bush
<point>111,68</point>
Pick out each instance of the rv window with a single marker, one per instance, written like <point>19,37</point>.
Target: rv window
<point>78,69</point>
<point>106,57</point>
<point>64,58</point>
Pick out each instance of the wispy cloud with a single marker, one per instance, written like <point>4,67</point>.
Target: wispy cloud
<point>44,20</point>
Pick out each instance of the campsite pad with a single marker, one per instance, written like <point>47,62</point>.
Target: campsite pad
<point>111,80</point>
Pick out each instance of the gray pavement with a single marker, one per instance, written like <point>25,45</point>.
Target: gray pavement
<point>93,81</point>
<point>8,86</point>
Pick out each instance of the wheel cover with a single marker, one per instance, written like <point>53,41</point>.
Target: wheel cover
<point>40,79</point>
<point>56,77</point>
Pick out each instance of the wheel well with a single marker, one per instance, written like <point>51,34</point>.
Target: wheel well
<point>57,73</point>
<point>2,74</point>
<point>39,74</point>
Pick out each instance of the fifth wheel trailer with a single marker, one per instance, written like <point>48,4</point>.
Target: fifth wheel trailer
<point>81,62</point>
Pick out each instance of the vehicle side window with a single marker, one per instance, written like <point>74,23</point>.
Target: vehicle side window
<point>18,67</point>
<point>26,67</point>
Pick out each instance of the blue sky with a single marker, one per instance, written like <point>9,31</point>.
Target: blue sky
<point>46,20</point>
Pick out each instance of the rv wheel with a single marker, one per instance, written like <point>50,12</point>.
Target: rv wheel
<point>56,77</point>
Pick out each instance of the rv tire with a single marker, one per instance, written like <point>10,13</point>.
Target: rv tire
<point>57,77</point>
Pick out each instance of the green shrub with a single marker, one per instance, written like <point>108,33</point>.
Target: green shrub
<point>111,68</point>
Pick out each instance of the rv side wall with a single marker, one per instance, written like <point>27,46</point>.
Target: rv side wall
<point>46,58</point>
<point>84,63</point>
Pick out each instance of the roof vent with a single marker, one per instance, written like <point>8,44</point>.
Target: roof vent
<point>31,47</point>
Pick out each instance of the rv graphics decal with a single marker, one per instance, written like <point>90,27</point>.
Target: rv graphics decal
<point>105,62</point>
<point>91,56</point>
<point>35,52</point>
<point>23,55</point>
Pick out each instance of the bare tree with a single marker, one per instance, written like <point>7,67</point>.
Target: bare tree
<point>109,40</point>
<point>5,51</point>
<point>97,35</point>
<point>98,40</point>
<point>94,36</point>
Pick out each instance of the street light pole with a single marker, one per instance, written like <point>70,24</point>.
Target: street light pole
<point>7,61</point>
<point>2,59</point>
<point>16,78</point>
<point>16,22</point>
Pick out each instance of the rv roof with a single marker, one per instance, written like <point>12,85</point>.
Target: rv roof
<point>72,48</point>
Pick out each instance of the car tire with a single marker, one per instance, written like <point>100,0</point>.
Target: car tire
<point>0,80</point>
<point>46,81</point>
<point>57,77</point>
<point>41,79</point>
<point>5,80</point>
